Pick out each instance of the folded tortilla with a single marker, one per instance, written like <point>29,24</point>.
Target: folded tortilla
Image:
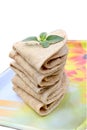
<point>38,80</point>
<point>45,60</point>
<point>41,108</point>
<point>29,83</point>
<point>49,95</point>
<point>37,77</point>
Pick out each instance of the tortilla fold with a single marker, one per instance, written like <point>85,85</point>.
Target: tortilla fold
<point>48,96</point>
<point>45,60</point>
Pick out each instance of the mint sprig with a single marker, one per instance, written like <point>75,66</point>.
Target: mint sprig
<point>44,40</point>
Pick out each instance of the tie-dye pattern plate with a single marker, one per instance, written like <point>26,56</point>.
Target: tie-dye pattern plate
<point>69,115</point>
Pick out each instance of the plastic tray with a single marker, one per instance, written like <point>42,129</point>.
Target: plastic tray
<point>69,115</point>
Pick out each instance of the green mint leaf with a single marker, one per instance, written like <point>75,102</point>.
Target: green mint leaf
<point>54,39</point>
<point>44,40</point>
<point>43,36</point>
<point>33,38</point>
<point>44,44</point>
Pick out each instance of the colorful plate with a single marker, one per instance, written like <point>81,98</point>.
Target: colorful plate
<point>69,115</point>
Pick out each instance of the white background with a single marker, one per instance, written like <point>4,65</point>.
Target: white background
<point>22,18</point>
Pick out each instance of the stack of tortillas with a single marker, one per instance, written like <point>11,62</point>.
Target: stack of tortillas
<point>40,79</point>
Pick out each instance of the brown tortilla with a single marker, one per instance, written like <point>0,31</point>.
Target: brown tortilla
<point>37,81</point>
<point>48,96</point>
<point>41,108</point>
<point>45,60</point>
